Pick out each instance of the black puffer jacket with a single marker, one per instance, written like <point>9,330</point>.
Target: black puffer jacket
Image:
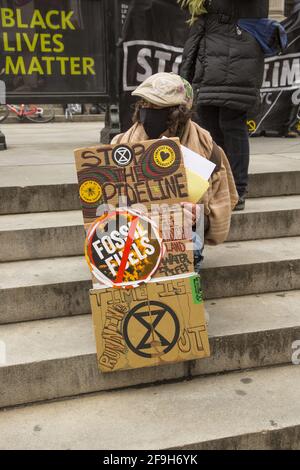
<point>224,63</point>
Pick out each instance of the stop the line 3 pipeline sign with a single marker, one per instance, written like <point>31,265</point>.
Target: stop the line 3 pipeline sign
<point>123,248</point>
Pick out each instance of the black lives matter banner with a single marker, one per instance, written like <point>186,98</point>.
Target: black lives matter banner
<point>153,37</point>
<point>53,49</point>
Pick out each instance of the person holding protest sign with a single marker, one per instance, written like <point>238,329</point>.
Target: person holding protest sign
<point>165,110</point>
<point>225,64</point>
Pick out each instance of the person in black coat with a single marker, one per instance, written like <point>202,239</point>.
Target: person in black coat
<point>225,64</point>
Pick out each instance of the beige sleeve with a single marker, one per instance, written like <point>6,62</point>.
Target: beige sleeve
<point>219,201</point>
<point>117,139</point>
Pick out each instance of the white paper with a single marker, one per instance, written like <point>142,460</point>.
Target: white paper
<point>196,163</point>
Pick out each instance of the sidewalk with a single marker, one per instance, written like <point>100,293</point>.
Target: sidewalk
<point>43,153</point>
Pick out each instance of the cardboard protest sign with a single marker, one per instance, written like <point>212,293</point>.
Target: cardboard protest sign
<point>147,302</point>
<point>154,324</point>
<point>123,248</point>
<point>178,258</point>
<point>146,173</point>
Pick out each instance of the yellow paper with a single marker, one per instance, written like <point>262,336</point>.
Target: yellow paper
<point>197,186</point>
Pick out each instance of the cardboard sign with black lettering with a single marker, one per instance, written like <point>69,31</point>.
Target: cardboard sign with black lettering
<point>154,324</point>
<point>150,172</point>
<point>178,258</point>
<point>124,248</point>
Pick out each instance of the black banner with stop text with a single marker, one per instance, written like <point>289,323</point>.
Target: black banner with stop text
<point>153,38</point>
<point>280,91</point>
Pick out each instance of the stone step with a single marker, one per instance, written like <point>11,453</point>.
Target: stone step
<point>47,288</point>
<point>38,168</point>
<point>248,267</point>
<point>56,358</point>
<point>55,234</point>
<point>41,235</point>
<point>53,187</point>
<point>271,217</point>
<point>81,118</point>
<point>258,409</point>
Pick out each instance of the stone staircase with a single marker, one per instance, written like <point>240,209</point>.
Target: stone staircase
<point>246,395</point>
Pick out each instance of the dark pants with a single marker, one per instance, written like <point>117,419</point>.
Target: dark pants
<point>228,128</point>
<point>292,119</point>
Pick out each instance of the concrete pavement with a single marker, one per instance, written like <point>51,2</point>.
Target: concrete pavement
<point>43,153</point>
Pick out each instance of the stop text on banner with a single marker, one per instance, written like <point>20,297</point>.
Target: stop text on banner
<point>151,57</point>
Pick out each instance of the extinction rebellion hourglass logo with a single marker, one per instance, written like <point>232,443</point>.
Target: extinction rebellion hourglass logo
<point>159,329</point>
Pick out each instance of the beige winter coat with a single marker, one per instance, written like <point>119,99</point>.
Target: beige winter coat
<point>221,197</point>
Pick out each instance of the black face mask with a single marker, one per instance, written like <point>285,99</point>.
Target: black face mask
<point>154,121</point>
